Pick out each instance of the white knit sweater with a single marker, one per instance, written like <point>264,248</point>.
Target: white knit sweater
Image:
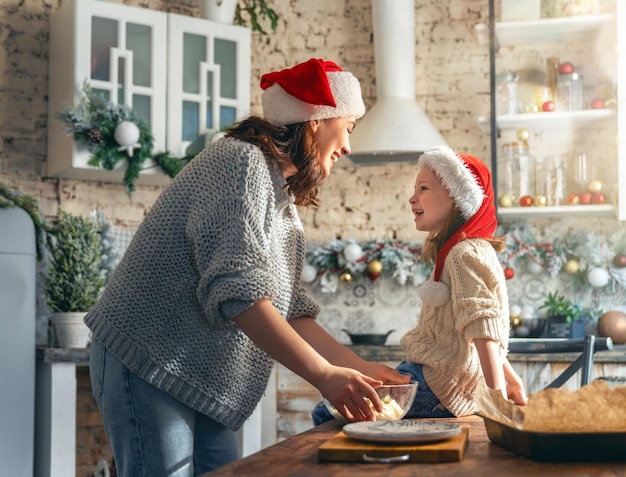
<point>442,340</point>
<point>223,235</point>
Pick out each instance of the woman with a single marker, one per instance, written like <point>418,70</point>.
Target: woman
<point>209,292</point>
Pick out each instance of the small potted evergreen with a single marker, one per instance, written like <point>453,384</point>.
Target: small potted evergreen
<point>562,313</point>
<point>75,277</point>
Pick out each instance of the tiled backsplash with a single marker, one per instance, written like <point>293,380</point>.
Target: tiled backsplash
<point>367,306</point>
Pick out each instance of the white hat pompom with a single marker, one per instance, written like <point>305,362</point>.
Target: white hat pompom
<point>434,293</point>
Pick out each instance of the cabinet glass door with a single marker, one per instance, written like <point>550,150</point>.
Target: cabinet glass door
<point>208,81</point>
<point>125,64</point>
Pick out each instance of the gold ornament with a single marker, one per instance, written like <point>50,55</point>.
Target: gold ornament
<point>531,108</point>
<point>523,134</point>
<point>571,266</point>
<point>375,266</point>
<point>345,277</point>
<point>595,186</point>
<point>505,201</point>
<point>540,200</point>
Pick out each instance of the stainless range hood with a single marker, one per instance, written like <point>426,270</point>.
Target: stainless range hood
<point>395,129</point>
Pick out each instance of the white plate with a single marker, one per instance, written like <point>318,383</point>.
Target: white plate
<point>404,430</point>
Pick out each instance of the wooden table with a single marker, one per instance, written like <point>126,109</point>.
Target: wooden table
<point>297,457</point>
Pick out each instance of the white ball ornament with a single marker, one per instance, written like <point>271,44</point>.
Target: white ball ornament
<point>352,252</point>
<point>309,273</point>
<point>598,277</point>
<point>127,136</point>
<point>534,268</point>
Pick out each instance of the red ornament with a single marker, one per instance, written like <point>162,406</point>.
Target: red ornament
<point>573,199</point>
<point>373,275</point>
<point>547,106</point>
<point>619,261</point>
<point>566,68</point>
<point>597,103</point>
<point>526,201</point>
<point>597,198</point>
<point>509,273</point>
<point>585,198</point>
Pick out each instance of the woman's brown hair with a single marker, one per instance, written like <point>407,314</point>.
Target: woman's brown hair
<point>293,143</point>
<point>435,241</point>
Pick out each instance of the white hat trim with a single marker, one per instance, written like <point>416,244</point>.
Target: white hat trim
<point>456,177</point>
<point>280,108</point>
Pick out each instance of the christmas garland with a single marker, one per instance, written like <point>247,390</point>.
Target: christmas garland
<point>114,134</point>
<point>13,196</point>
<point>581,258</point>
<point>338,261</point>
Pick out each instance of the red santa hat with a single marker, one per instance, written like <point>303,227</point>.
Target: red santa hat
<point>315,89</point>
<point>468,181</point>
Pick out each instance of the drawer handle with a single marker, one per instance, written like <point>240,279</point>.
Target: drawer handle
<point>386,460</point>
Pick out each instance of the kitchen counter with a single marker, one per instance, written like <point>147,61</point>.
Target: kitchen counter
<point>298,457</point>
<point>394,353</point>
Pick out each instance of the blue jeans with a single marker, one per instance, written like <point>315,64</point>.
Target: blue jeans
<point>425,404</point>
<point>151,433</point>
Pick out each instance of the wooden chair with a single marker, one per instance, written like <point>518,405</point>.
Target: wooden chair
<point>587,347</point>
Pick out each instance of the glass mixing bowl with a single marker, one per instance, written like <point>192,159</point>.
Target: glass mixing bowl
<point>396,399</point>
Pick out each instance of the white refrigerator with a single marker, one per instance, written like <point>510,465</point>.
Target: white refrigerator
<point>17,342</point>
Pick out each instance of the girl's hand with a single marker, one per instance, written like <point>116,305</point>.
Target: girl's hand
<point>346,389</point>
<point>384,373</point>
<point>515,392</point>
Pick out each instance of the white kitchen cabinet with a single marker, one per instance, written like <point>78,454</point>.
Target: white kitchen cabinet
<point>182,75</point>
<point>595,45</point>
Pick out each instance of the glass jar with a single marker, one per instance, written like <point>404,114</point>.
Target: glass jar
<point>506,177</point>
<point>516,175</point>
<point>570,92</point>
<point>553,178</point>
<point>524,171</point>
<point>506,93</point>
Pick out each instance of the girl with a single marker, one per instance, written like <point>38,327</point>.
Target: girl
<point>463,329</point>
<point>209,292</point>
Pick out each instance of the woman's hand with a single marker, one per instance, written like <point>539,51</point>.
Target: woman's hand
<point>346,389</point>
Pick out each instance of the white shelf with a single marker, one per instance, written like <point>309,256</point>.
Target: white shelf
<point>586,118</point>
<point>550,29</point>
<point>556,211</point>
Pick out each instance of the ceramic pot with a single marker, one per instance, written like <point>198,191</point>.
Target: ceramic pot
<point>222,11</point>
<point>71,330</point>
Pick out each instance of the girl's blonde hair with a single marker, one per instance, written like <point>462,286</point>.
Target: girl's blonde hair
<point>435,241</point>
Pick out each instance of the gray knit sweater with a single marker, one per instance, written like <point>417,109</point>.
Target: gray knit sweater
<point>223,235</point>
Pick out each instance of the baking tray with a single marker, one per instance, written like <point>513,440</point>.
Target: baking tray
<point>555,447</point>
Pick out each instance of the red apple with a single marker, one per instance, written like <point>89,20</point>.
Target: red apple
<point>566,68</point>
<point>597,198</point>
<point>597,103</point>
<point>548,106</point>
<point>585,198</point>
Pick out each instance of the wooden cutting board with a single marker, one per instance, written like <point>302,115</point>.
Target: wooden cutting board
<point>342,448</point>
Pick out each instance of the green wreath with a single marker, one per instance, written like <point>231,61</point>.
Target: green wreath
<point>94,122</point>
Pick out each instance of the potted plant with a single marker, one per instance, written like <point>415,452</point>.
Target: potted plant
<point>75,276</point>
<point>240,12</point>
<point>562,313</point>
